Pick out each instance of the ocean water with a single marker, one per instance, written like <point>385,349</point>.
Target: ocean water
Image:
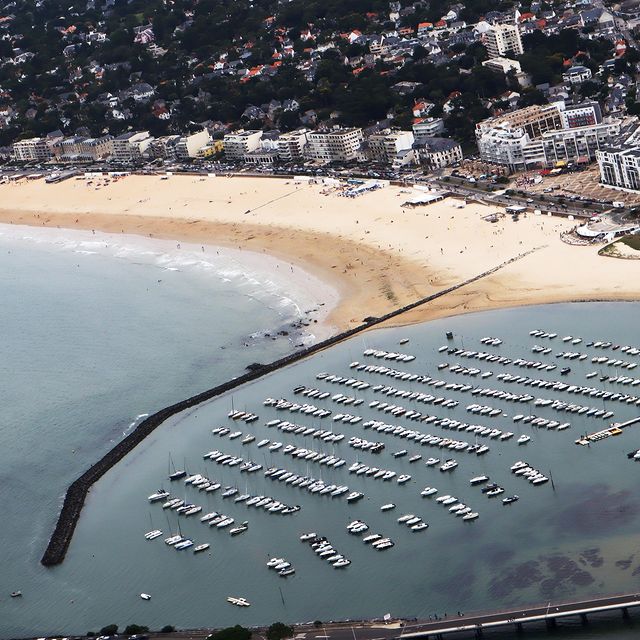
<point>97,332</point>
<point>572,538</point>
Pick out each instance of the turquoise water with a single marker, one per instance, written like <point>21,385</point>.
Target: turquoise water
<point>92,341</point>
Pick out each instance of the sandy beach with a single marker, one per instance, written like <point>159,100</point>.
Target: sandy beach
<point>376,253</point>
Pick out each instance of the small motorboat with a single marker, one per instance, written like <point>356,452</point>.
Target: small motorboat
<point>16,594</point>
<point>145,596</point>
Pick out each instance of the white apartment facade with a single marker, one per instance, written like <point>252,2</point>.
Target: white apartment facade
<point>503,40</point>
<point>32,149</point>
<point>387,146</point>
<point>291,146</point>
<point>191,145</point>
<point>620,167</point>
<point>240,143</point>
<point>428,128</point>
<point>130,147</point>
<point>342,145</point>
<point>515,149</point>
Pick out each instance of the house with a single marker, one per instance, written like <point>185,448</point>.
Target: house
<point>440,152</point>
<point>577,74</point>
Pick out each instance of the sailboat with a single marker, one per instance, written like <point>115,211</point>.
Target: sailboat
<point>175,474</point>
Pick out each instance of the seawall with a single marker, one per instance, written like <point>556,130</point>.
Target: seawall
<point>79,488</point>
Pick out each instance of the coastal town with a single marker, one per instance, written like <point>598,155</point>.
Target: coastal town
<point>541,96</point>
<point>320,311</point>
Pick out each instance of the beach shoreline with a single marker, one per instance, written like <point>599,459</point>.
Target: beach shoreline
<point>377,254</point>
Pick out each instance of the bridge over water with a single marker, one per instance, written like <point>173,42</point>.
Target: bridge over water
<point>517,618</point>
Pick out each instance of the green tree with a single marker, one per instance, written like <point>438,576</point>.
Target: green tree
<point>134,629</point>
<point>109,630</point>
<point>168,628</point>
<point>231,633</point>
<point>279,631</point>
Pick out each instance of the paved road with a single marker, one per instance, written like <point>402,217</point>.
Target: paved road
<point>522,615</point>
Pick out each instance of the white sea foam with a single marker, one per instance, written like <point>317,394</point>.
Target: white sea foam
<point>285,288</point>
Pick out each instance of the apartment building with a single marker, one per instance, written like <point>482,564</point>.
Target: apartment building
<point>517,150</point>
<point>130,147</point>
<point>388,145</point>
<point>291,145</point>
<point>503,41</point>
<point>428,128</point>
<point>620,167</point>
<point>341,145</point>
<point>239,143</point>
<point>581,115</point>
<point>164,147</point>
<point>534,120</point>
<point>441,152</point>
<point>32,149</point>
<point>82,149</point>
<point>503,65</point>
<point>191,145</point>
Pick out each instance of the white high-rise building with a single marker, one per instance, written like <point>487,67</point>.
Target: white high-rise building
<point>387,145</point>
<point>503,41</point>
<point>239,143</point>
<point>341,145</point>
<point>32,149</point>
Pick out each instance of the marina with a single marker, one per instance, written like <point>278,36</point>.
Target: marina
<point>335,485</point>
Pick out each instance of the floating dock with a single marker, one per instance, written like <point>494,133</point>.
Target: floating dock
<point>615,429</point>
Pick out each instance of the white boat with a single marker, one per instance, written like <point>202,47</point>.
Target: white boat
<point>523,439</point>
<point>201,547</point>
<point>471,516</point>
<point>158,495</point>
<point>387,507</point>
<point>406,517</point>
<point>420,526</point>
<point>428,491</point>
<point>238,602</point>
<point>185,544</point>
<point>449,465</point>
<point>152,535</point>
<point>145,596</point>
<point>478,480</point>
<point>239,529</point>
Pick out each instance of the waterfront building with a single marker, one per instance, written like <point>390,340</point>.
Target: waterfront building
<point>291,145</point>
<point>340,145</point>
<point>82,149</point>
<point>619,164</point>
<point>542,136</point>
<point>32,149</point>
<point>130,147</point>
<point>440,152</point>
<point>386,146</point>
<point>191,145</point>
<point>239,143</point>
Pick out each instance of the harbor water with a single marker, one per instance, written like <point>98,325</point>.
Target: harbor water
<point>98,331</point>
<point>93,341</point>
